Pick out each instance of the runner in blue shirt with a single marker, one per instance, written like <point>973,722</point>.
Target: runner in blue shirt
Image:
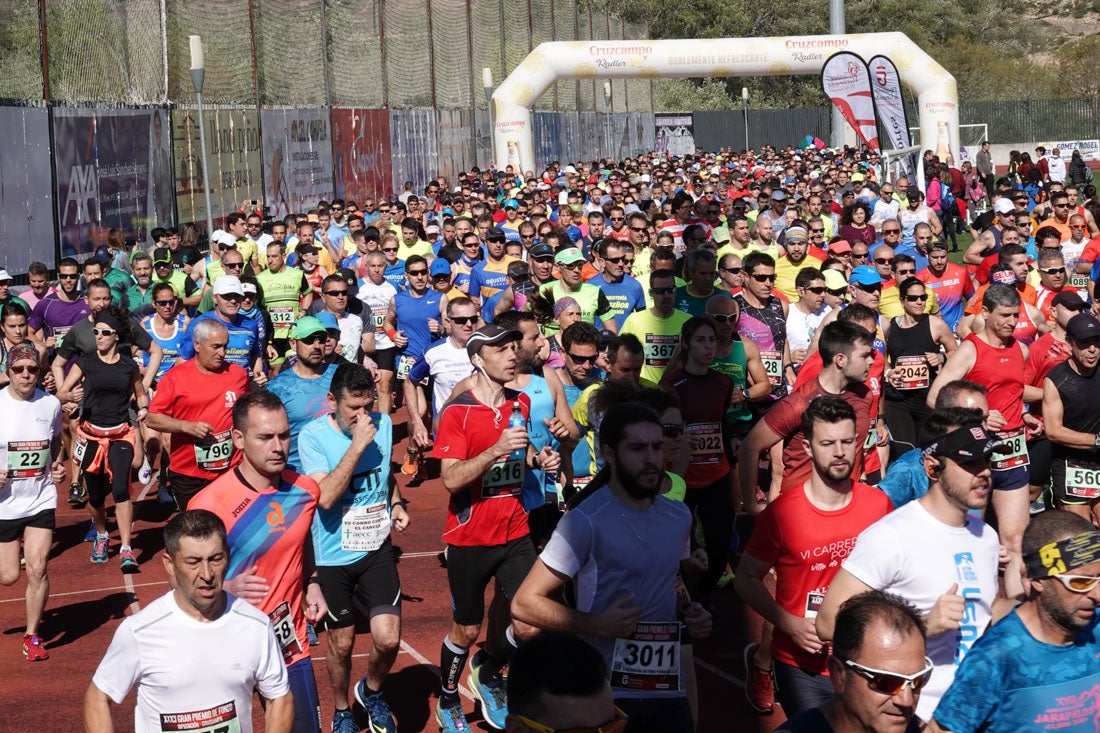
<point>624,293</point>
<point>245,347</point>
<point>347,453</point>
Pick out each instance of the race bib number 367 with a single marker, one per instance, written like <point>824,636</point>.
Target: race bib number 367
<point>659,348</point>
<point>649,659</point>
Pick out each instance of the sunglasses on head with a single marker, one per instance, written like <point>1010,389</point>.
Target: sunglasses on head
<point>891,683</point>
<point>462,320</point>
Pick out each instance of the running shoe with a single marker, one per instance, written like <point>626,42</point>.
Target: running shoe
<point>311,634</point>
<point>78,495</point>
<point>449,715</point>
<point>33,649</point>
<point>91,534</point>
<point>99,549</point>
<point>759,683</point>
<point>411,464</point>
<point>128,562</point>
<point>379,715</point>
<point>492,696</point>
<point>343,722</point>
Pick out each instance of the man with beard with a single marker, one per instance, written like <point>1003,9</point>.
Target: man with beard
<point>629,609</point>
<point>829,510</point>
<point>1038,665</point>
<point>933,553</point>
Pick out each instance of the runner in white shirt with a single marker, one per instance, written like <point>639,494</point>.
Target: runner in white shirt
<point>196,653</point>
<point>30,442</point>
<point>377,294</point>
<point>933,553</point>
<point>804,317</point>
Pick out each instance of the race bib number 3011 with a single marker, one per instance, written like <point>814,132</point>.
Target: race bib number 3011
<point>219,719</point>
<point>649,659</point>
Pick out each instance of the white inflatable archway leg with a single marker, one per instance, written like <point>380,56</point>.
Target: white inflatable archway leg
<point>513,129</point>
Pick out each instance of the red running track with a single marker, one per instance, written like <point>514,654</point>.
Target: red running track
<point>87,602</point>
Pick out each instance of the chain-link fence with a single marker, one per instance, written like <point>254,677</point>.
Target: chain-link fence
<point>296,53</point>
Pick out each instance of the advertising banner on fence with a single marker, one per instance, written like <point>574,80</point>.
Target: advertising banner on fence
<point>112,172</point>
<point>26,202</point>
<point>415,153</point>
<point>847,84</point>
<point>361,151</point>
<point>297,154</point>
<point>1090,149</point>
<point>890,107</point>
<point>233,151</point>
<point>674,133</point>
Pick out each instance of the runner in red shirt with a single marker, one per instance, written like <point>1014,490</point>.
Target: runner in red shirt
<point>848,355</point>
<point>878,437</point>
<point>194,404</point>
<point>268,510</point>
<point>805,535</point>
<point>484,459</point>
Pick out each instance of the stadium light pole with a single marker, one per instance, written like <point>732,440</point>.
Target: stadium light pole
<point>487,85</point>
<point>745,99</point>
<point>836,28</point>
<point>198,75</point>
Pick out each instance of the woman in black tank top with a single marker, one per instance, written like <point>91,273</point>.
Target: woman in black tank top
<point>913,357</point>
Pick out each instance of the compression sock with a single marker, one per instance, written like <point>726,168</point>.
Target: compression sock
<point>452,658</point>
<point>499,658</point>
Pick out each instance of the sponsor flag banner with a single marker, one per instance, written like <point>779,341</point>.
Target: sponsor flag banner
<point>845,80</point>
<point>890,107</point>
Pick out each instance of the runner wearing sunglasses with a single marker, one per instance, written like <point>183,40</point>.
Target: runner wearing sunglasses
<point>1038,665</point>
<point>877,669</point>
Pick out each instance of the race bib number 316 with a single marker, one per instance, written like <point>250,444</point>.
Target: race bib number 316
<point>649,659</point>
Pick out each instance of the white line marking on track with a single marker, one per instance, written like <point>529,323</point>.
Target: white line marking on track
<point>413,555</point>
<point>715,671</point>
<point>90,590</point>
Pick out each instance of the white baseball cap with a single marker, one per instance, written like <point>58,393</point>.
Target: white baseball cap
<point>228,285</point>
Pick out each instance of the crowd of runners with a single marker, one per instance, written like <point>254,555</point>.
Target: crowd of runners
<point>642,383</point>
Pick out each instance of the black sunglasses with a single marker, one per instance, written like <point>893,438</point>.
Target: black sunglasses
<point>582,359</point>
<point>763,278</point>
<point>462,320</point>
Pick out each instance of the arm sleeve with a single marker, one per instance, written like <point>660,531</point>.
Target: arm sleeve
<point>187,346</point>
<point>874,560</point>
<point>974,696</point>
<point>311,453</point>
<point>121,666</point>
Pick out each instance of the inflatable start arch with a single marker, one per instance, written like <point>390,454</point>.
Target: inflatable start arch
<point>513,136</point>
